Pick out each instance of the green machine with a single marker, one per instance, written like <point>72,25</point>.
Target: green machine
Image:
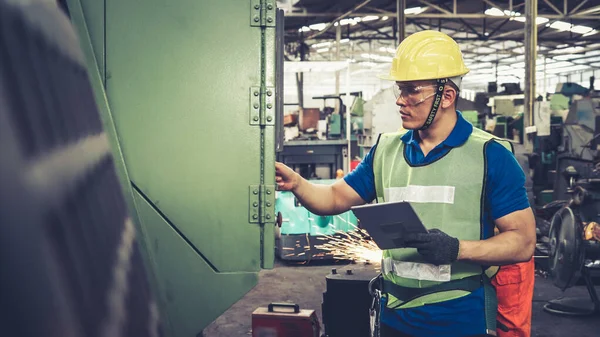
<point>189,95</point>
<point>302,233</point>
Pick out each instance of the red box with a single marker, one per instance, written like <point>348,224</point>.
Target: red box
<point>284,320</point>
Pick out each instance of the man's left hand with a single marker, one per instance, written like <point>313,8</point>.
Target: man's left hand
<point>436,246</point>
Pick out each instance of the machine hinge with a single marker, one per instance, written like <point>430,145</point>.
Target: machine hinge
<point>262,106</point>
<point>262,13</point>
<point>262,204</point>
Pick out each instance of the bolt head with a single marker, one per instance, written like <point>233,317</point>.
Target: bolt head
<point>268,191</point>
<point>256,19</point>
<point>269,106</point>
<point>255,118</point>
<point>255,106</point>
<point>256,93</point>
<point>255,216</point>
<point>255,204</point>
<point>269,20</point>
<point>268,204</point>
<point>257,6</point>
<point>269,93</point>
<point>270,7</point>
<point>269,119</point>
<point>255,191</point>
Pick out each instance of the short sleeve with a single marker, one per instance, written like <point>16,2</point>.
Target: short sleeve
<point>505,186</point>
<point>361,179</point>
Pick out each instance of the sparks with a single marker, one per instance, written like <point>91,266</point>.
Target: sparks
<point>354,245</point>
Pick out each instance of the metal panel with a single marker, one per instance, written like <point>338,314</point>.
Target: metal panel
<point>178,79</point>
<point>205,293</point>
<point>94,18</point>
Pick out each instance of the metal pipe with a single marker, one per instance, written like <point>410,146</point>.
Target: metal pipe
<point>530,60</point>
<point>587,11</point>
<point>338,37</point>
<point>552,6</point>
<point>348,119</point>
<point>581,15</point>
<point>574,10</point>
<point>400,20</point>
<point>435,6</point>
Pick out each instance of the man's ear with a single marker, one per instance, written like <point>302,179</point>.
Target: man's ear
<point>448,97</point>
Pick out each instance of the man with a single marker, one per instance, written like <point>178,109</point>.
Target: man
<point>461,181</point>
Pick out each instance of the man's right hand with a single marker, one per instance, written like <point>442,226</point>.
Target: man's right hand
<point>286,178</point>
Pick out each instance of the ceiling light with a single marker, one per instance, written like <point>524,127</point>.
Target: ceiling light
<point>415,10</point>
<point>569,50</point>
<point>370,18</point>
<point>493,12</point>
<point>318,26</point>
<point>560,25</point>
<point>581,29</point>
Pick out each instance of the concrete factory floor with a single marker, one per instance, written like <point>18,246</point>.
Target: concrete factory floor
<point>305,284</point>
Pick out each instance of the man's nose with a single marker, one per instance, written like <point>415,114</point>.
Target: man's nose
<point>400,101</point>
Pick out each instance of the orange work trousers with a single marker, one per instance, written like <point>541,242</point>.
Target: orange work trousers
<point>514,288</point>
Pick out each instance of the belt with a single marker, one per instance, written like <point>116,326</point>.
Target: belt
<point>406,294</point>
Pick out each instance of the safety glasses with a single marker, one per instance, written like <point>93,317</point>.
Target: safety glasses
<point>413,95</point>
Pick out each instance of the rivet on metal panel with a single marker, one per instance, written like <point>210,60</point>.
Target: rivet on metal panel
<point>269,93</point>
<point>256,93</point>
<point>255,106</point>
<point>269,119</point>
<point>269,106</point>
<point>256,19</point>
<point>255,118</point>
<point>268,204</point>
<point>255,204</point>
<point>255,191</point>
<point>270,7</point>
<point>269,20</point>
<point>255,216</point>
<point>257,6</point>
<point>268,216</point>
<point>268,191</point>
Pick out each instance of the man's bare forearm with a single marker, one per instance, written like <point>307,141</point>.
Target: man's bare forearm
<point>319,199</point>
<point>505,248</point>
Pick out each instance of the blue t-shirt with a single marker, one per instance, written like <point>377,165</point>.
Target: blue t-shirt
<point>505,193</point>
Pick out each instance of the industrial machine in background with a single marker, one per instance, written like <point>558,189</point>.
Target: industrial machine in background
<point>316,143</point>
<point>172,78</point>
<point>574,245</point>
<point>380,116</point>
<point>302,233</point>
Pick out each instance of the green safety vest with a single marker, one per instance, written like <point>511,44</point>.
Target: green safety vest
<point>447,194</point>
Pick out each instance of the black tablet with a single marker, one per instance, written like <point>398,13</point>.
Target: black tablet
<point>388,223</point>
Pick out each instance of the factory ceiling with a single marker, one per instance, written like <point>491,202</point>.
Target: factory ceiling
<point>490,32</point>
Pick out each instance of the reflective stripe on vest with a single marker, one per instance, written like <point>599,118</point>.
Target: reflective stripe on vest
<point>446,194</point>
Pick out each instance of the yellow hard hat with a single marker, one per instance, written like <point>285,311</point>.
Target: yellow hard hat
<point>427,55</point>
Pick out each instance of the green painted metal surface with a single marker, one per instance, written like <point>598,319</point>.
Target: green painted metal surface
<point>177,77</point>
<point>194,283</point>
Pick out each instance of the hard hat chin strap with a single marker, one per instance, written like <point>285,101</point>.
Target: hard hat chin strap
<point>441,83</point>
